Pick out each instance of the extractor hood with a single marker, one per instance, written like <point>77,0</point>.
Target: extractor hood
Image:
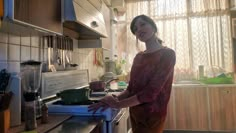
<point>82,20</point>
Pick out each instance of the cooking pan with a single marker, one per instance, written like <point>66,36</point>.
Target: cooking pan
<point>73,96</point>
<point>100,85</point>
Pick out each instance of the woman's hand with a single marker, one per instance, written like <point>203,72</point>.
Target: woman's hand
<point>111,100</point>
<point>107,101</point>
<point>96,106</point>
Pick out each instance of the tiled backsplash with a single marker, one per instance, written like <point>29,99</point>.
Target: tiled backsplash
<point>16,47</point>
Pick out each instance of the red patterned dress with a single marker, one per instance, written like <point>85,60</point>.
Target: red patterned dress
<point>151,80</point>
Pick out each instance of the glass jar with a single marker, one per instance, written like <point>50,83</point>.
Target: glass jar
<point>30,116</point>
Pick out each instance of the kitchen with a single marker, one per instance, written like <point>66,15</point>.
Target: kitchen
<point>21,42</point>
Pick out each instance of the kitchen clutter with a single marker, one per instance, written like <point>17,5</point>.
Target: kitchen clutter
<point>5,100</point>
<point>215,75</point>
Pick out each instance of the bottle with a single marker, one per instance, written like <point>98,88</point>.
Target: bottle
<point>30,116</point>
<point>44,118</point>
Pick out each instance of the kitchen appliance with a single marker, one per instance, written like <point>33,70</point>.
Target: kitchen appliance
<point>53,83</point>
<point>31,79</point>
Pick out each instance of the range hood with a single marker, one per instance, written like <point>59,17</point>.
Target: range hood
<point>82,20</point>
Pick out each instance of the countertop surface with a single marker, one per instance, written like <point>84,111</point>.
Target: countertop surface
<point>78,124</point>
<point>63,124</point>
<point>203,85</point>
<point>53,121</point>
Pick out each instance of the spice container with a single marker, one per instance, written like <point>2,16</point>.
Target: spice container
<point>44,118</point>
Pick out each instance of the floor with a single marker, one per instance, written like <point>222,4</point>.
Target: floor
<point>182,131</point>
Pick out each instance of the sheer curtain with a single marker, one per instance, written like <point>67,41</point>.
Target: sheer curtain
<point>198,31</point>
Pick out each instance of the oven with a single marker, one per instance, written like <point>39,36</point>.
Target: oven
<point>55,82</point>
<point>119,123</point>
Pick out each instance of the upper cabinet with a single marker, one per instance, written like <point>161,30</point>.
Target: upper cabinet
<point>1,8</point>
<point>85,18</point>
<point>41,14</point>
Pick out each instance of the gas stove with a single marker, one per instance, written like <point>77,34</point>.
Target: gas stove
<point>53,83</point>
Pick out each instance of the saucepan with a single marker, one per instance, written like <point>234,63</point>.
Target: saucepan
<point>100,85</point>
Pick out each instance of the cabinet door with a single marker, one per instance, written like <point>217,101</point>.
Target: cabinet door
<point>37,13</point>
<point>170,120</point>
<point>223,108</point>
<point>191,108</point>
<point>1,8</point>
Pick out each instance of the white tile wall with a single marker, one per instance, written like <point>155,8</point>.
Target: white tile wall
<point>3,65</point>
<point>25,44</point>
<point>25,54</point>
<point>35,53</point>
<point>14,52</point>
<point>14,39</point>
<point>25,41</point>
<point>3,52</point>
<point>14,67</point>
<point>85,59</point>
<point>35,41</point>
<point>3,37</point>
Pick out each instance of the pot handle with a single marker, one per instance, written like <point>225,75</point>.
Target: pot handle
<point>107,82</point>
<point>58,94</point>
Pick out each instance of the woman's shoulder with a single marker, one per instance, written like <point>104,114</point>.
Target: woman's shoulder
<point>168,51</point>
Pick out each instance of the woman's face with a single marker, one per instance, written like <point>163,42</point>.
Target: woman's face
<point>143,30</point>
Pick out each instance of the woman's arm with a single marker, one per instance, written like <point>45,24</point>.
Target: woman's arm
<point>113,101</point>
<point>124,94</point>
<point>128,102</point>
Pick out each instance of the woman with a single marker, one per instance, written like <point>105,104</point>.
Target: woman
<point>150,82</point>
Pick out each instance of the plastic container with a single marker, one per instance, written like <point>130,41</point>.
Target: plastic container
<point>218,80</point>
<point>113,85</point>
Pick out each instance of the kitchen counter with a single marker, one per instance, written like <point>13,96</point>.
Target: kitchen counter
<point>203,85</point>
<point>81,124</point>
<point>64,124</point>
<point>54,120</point>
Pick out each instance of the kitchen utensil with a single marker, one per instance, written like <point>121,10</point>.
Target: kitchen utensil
<point>108,76</point>
<point>31,78</point>
<point>100,85</point>
<point>97,85</point>
<point>4,80</point>
<point>73,96</point>
<point>31,75</point>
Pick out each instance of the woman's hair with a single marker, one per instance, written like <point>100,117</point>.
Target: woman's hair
<point>146,19</point>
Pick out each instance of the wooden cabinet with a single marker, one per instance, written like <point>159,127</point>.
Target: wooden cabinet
<point>1,9</point>
<point>202,108</point>
<point>38,14</point>
<point>191,108</point>
<point>170,120</point>
<point>222,108</point>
